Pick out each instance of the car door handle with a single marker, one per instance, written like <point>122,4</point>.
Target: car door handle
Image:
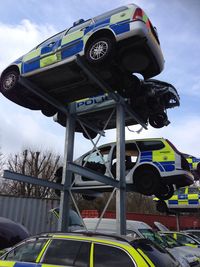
<point>51,44</point>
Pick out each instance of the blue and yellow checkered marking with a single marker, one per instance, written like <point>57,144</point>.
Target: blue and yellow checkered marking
<point>163,166</point>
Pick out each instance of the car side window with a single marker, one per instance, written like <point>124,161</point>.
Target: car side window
<point>68,253</point>
<point>111,256</point>
<point>193,190</point>
<point>27,252</point>
<point>150,145</point>
<point>184,239</point>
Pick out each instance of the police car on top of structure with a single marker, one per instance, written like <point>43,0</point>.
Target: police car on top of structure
<point>153,167</point>
<point>150,99</point>
<point>194,165</point>
<point>124,35</point>
<point>186,199</point>
<point>87,250</point>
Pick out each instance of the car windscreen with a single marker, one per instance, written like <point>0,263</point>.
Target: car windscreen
<point>74,218</point>
<point>159,256</point>
<point>154,236</point>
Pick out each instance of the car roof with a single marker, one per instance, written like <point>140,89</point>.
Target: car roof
<point>133,140</point>
<point>87,236</point>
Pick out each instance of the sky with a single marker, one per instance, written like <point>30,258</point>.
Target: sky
<point>24,24</point>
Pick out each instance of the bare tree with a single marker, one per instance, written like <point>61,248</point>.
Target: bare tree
<point>33,163</point>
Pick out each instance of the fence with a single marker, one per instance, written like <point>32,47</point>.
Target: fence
<point>33,213</point>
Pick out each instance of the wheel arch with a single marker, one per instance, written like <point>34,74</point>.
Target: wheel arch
<point>99,33</point>
<point>11,67</point>
<point>146,166</point>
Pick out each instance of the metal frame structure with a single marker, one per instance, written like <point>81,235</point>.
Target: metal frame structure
<point>118,185</point>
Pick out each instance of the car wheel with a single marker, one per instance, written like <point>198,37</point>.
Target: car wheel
<point>158,120</point>
<point>49,111</point>
<point>147,182</point>
<point>165,192</point>
<point>99,50</point>
<point>91,133</point>
<point>9,82</point>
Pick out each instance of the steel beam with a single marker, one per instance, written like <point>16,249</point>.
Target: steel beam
<point>31,180</point>
<point>92,174</point>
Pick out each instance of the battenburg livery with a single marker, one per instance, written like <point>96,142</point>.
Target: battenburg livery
<point>153,166</point>
<point>124,35</point>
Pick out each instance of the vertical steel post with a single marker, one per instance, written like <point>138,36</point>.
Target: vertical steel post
<point>121,193</point>
<point>63,223</point>
<point>177,221</point>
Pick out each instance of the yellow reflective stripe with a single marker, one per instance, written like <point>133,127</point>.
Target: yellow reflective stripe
<point>32,54</point>
<point>175,236</point>
<point>191,245</point>
<point>72,37</point>
<point>189,160</point>
<point>42,251</point>
<point>145,257</point>
<point>48,60</point>
<point>92,255</point>
<point>193,196</point>
<point>183,202</point>
<point>7,263</point>
<point>123,15</point>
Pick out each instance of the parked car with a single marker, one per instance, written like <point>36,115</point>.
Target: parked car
<point>184,238</point>
<point>153,167</point>
<point>150,99</point>
<point>75,222</point>
<point>11,233</point>
<point>195,232</point>
<point>88,250</point>
<point>124,38</point>
<point>185,199</point>
<point>194,165</point>
<point>138,229</point>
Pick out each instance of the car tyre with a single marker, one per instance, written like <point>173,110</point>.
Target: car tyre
<point>165,192</point>
<point>99,50</point>
<point>158,120</point>
<point>49,111</point>
<point>91,133</point>
<point>9,83</point>
<point>147,182</point>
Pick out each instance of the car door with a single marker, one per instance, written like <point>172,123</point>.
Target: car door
<point>73,39</point>
<point>64,252</point>
<point>105,255</point>
<point>26,253</point>
<point>183,196</point>
<point>43,55</point>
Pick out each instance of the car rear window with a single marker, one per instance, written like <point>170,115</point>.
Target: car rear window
<point>159,256</point>
<point>150,145</point>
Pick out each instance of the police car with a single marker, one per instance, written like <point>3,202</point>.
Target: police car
<point>184,199</point>
<point>150,99</point>
<point>153,166</point>
<point>124,38</point>
<point>194,165</point>
<point>87,250</point>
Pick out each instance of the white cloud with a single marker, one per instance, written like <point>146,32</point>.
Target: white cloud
<point>19,39</point>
